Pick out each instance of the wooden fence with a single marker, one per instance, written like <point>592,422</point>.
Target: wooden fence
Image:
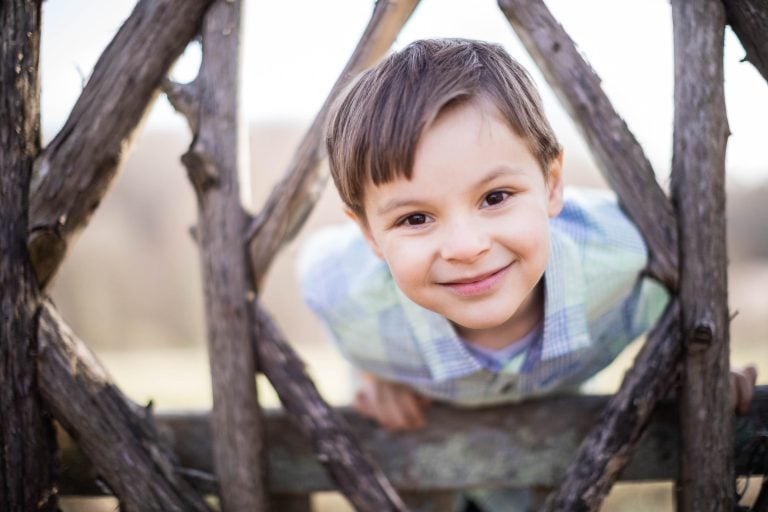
<point>526,445</point>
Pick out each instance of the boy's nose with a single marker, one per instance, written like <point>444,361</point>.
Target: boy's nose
<point>464,243</point>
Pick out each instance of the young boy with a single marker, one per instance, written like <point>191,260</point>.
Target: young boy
<point>473,278</point>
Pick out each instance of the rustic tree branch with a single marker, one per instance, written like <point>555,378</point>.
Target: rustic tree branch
<point>700,136</point>
<point>362,482</point>
<point>214,164</point>
<point>618,154</point>
<point>294,197</point>
<point>28,466</point>
<point>116,435</point>
<point>749,20</point>
<point>610,444</point>
<point>75,170</point>
<point>185,99</point>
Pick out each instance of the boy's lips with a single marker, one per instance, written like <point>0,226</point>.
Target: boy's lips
<point>476,285</point>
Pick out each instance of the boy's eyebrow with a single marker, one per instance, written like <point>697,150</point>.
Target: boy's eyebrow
<point>393,204</point>
<point>499,172</point>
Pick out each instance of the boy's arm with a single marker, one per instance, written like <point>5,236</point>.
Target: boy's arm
<point>394,406</point>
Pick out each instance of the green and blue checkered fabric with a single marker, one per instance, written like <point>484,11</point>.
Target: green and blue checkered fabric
<point>596,302</point>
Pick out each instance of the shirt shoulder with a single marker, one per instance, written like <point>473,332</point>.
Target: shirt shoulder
<point>337,268</point>
<point>610,249</point>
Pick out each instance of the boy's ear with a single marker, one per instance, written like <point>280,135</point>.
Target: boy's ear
<point>555,186</point>
<point>366,230</point>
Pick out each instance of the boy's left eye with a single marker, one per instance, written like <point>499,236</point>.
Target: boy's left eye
<point>494,198</point>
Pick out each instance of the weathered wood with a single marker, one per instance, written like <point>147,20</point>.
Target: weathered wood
<point>361,481</point>
<point>610,445</point>
<point>749,20</point>
<point>617,153</point>
<point>27,445</point>
<point>290,503</point>
<point>214,164</point>
<point>698,181</point>
<point>74,172</point>
<point>185,99</point>
<point>293,198</point>
<point>430,501</point>
<point>761,503</point>
<point>528,444</point>
<point>118,436</point>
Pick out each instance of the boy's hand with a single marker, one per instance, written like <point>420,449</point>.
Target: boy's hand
<point>396,407</point>
<point>743,387</point>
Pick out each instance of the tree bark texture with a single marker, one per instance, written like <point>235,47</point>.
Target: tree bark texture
<point>74,172</point>
<point>293,198</point>
<point>28,467</point>
<point>698,177</point>
<point>749,20</point>
<point>118,436</point>
<point>618,154</point>
<point>361,481</point>
<point>214,163</point>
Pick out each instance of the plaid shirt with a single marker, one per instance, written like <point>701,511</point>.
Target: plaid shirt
<point>595,303</point>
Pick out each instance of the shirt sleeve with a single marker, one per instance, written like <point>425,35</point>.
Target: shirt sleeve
<point>621,304</point>
<point>347,286</point>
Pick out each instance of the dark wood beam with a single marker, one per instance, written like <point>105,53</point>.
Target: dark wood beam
<point>512,445</point>
<point>698,193</point>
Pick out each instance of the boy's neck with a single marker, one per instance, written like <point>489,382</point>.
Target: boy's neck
<point>526,319</point>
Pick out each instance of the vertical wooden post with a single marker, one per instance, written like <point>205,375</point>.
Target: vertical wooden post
<point>27,442</point>
<point>214,162</point>
<point>698,175</point>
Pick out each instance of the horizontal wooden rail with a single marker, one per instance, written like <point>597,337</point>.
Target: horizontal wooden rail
<point>517,445</point>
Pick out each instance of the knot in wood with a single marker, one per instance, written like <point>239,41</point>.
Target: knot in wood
<point>201,169</point>
<point>700,337</point>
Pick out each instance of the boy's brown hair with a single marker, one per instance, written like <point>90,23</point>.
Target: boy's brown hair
<point>375,128</point>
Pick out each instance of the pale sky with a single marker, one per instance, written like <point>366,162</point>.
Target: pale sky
<point>293,51</point>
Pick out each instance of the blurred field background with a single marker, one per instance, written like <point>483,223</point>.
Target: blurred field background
<point>131,285</point>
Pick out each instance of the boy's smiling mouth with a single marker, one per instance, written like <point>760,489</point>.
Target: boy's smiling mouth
<point>477,285</point>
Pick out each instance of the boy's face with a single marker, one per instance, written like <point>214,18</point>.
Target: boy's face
<point>468,235</point>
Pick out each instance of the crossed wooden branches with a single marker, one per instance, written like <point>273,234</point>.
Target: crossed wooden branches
<point>75,170</point>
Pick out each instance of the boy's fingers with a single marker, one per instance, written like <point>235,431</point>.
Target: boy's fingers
<point>393,406</point>
<point>751,373</point>
<point>412,409</point>
<point>401,410</point>
<point>743,388</point>
<point>391,417</point>
<point>363,406</point>
<point>745,392</point>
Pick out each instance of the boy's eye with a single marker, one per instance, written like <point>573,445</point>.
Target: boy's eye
<point>495,198</point>
<point>415,219</point>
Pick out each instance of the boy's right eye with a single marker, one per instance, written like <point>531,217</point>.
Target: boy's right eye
<point>415,219</point>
